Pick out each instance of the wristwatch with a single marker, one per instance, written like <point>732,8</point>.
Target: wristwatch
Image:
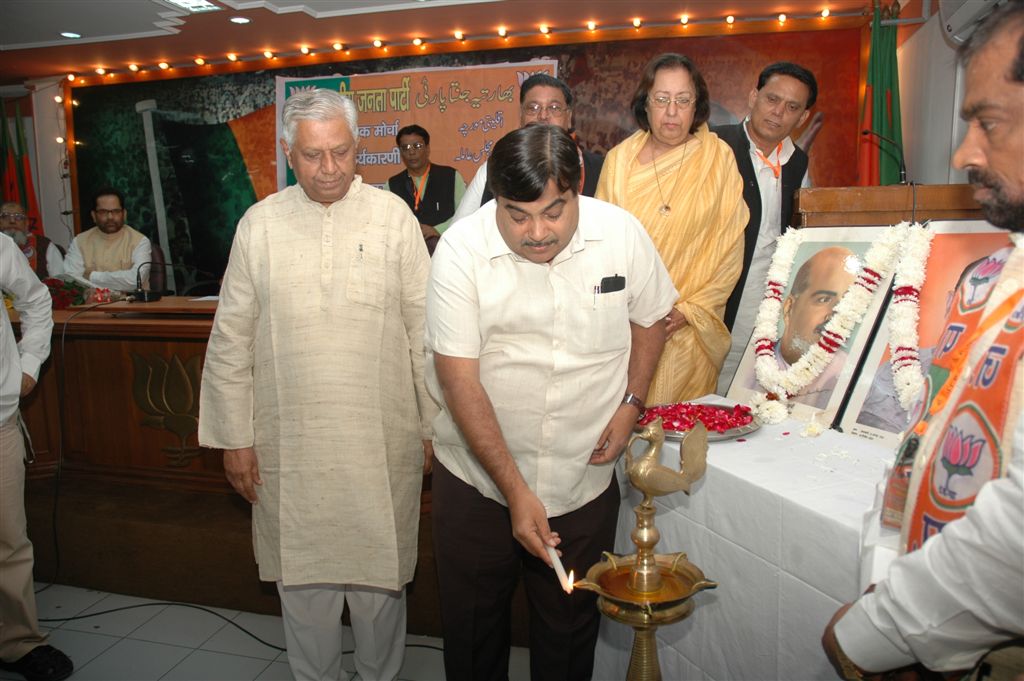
<point>632,399</point>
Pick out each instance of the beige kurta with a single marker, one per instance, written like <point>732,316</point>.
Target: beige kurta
<point>316,359</point>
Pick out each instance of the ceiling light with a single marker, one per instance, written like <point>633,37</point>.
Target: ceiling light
<point>502,31</point>
<point>591,25</point>
<point>60,140</point>
<point>459,35</point>
<point>58,99</point>
<point>417,41</point>
<point>70,34</point>
<point>133,67</point>
<point>232,56</point>
<point>101,70</point>
<point>194,6</point>
<point>545,29</point>
<point>240,20</point>
<point>825,13</point>
<point>730,19</point>
<point>74,102</point>
<point>782,18</point>
<point>304,49</point>
<point>268,54</point>
<point>164,65</point>
<point>685,19</point>
<point>71,77</point>
<point>637,22</point>
<point>338,46</point>
<point>377,42</point>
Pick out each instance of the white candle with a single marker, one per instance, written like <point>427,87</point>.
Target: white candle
<point>559,570</point>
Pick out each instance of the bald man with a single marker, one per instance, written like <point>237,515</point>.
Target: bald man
<point>819,284</point>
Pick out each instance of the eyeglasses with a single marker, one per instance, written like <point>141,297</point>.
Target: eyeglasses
<point>411,146</point>
<point>662,102</point>
<point>554,110</point>
<point>105,213</point>
<point>13,216</point>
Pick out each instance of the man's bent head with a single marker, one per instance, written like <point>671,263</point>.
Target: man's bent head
<point>534,174</point>
<point>319,142</point>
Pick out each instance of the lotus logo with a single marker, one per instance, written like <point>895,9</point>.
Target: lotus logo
<point>983,274</point>
<point>960,454</point>
<point>168,392</point>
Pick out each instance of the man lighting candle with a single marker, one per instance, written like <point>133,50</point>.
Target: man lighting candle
<point>544,324</point>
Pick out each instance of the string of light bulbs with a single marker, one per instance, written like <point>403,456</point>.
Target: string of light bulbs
<point>457,36</point>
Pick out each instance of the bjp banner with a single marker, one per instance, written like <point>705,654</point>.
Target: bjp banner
<point>465,110</point>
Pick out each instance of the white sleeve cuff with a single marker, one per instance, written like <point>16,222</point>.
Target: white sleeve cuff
<point>865,644</point>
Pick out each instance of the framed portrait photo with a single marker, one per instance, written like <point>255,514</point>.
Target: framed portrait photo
<point>874,411</point>
<point>824,266</point>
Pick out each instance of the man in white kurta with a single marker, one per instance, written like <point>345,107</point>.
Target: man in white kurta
<point>313,386</point>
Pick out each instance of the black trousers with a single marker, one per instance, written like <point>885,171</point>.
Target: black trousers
<point>478,565</point>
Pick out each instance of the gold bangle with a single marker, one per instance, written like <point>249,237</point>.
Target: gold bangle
<point>848,668</point>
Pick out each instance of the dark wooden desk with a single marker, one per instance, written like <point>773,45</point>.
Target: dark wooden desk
<point>131,376</point>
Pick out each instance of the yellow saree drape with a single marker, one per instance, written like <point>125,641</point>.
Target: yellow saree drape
<point>700,241</point>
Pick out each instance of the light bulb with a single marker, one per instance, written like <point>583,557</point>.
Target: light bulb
<point>502,31</point>
<point>133,67</point>
<point>268,54</point>
<point>782,18</point>
<point>417,41</point>
<point>71,77</point>
<point>304,49</point>
<point>825,13</point>
<point>637,22</point>
<point>459,35</point>
<point>164,65</point>
<point>60,140</point>
<point>232,56</point>
<point>545,29</point>
<point>58,99</point>
<point>377,42</point>
<point>101,71</point>
<point>199,61</point>
<point>338,46</point>
<point>685,19</point>
<point>591,25</point>
<point>730,19</point>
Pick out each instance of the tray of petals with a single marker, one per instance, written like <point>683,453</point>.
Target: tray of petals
<point>723,422</point>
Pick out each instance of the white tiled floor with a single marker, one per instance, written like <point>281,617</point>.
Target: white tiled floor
<point>178,643</point>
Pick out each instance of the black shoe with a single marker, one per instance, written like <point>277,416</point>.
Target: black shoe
<point>42,663</point>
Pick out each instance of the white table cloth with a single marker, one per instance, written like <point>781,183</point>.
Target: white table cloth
<point>776,521</point>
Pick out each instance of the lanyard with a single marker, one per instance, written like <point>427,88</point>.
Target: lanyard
<point>419,189</point>
<point>960,358</point>
<point>777,166</point>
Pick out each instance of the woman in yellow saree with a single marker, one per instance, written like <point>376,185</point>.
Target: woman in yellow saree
<point>681,182</point>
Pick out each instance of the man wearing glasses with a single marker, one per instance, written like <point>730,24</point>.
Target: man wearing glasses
<point>773,168</point>
<point>431,190</point>
<point>44,256</point>
<point>109,255</point>
<point>542,99</point>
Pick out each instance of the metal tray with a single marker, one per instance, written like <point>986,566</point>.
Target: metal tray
<point>713,436</point>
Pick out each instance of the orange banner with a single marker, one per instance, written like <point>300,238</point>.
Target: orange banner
<point>465,110</point>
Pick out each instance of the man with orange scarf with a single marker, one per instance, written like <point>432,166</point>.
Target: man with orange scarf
<point>957,490</point>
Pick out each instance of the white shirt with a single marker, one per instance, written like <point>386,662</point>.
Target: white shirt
<point>770,188</point>
<point>32,301</point>
<point>122,280</point>
<point>553,352</point>
<point>957,596</point>
<point>473,196</point>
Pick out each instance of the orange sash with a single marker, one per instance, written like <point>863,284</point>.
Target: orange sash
<point>973,401</point>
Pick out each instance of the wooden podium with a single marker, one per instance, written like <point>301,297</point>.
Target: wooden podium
<point>846,206</point>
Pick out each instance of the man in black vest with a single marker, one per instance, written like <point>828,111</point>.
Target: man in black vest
<point>432,191</point>
<point>773,168</point>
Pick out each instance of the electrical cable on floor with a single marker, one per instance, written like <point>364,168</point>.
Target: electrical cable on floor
<point>60,438</point>
<point>212,612</point>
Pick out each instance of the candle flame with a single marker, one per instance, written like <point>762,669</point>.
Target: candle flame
<point>571,581</point>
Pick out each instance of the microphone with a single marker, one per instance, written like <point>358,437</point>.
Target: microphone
<point>899,148</point>
<point>140,295</point>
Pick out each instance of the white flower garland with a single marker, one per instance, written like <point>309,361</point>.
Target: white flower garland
<point>904,315</point>
<point>780,385</point>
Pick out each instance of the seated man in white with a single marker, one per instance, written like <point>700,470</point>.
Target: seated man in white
<point>110,254</point>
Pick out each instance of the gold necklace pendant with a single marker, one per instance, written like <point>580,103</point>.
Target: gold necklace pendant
<point>665,209</point>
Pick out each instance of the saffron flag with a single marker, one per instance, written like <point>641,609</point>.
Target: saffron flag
<point>879,159</point>
<point>24,167</point>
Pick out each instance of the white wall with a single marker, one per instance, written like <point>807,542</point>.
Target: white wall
<point>930,95</point>
<point>53,187</point>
